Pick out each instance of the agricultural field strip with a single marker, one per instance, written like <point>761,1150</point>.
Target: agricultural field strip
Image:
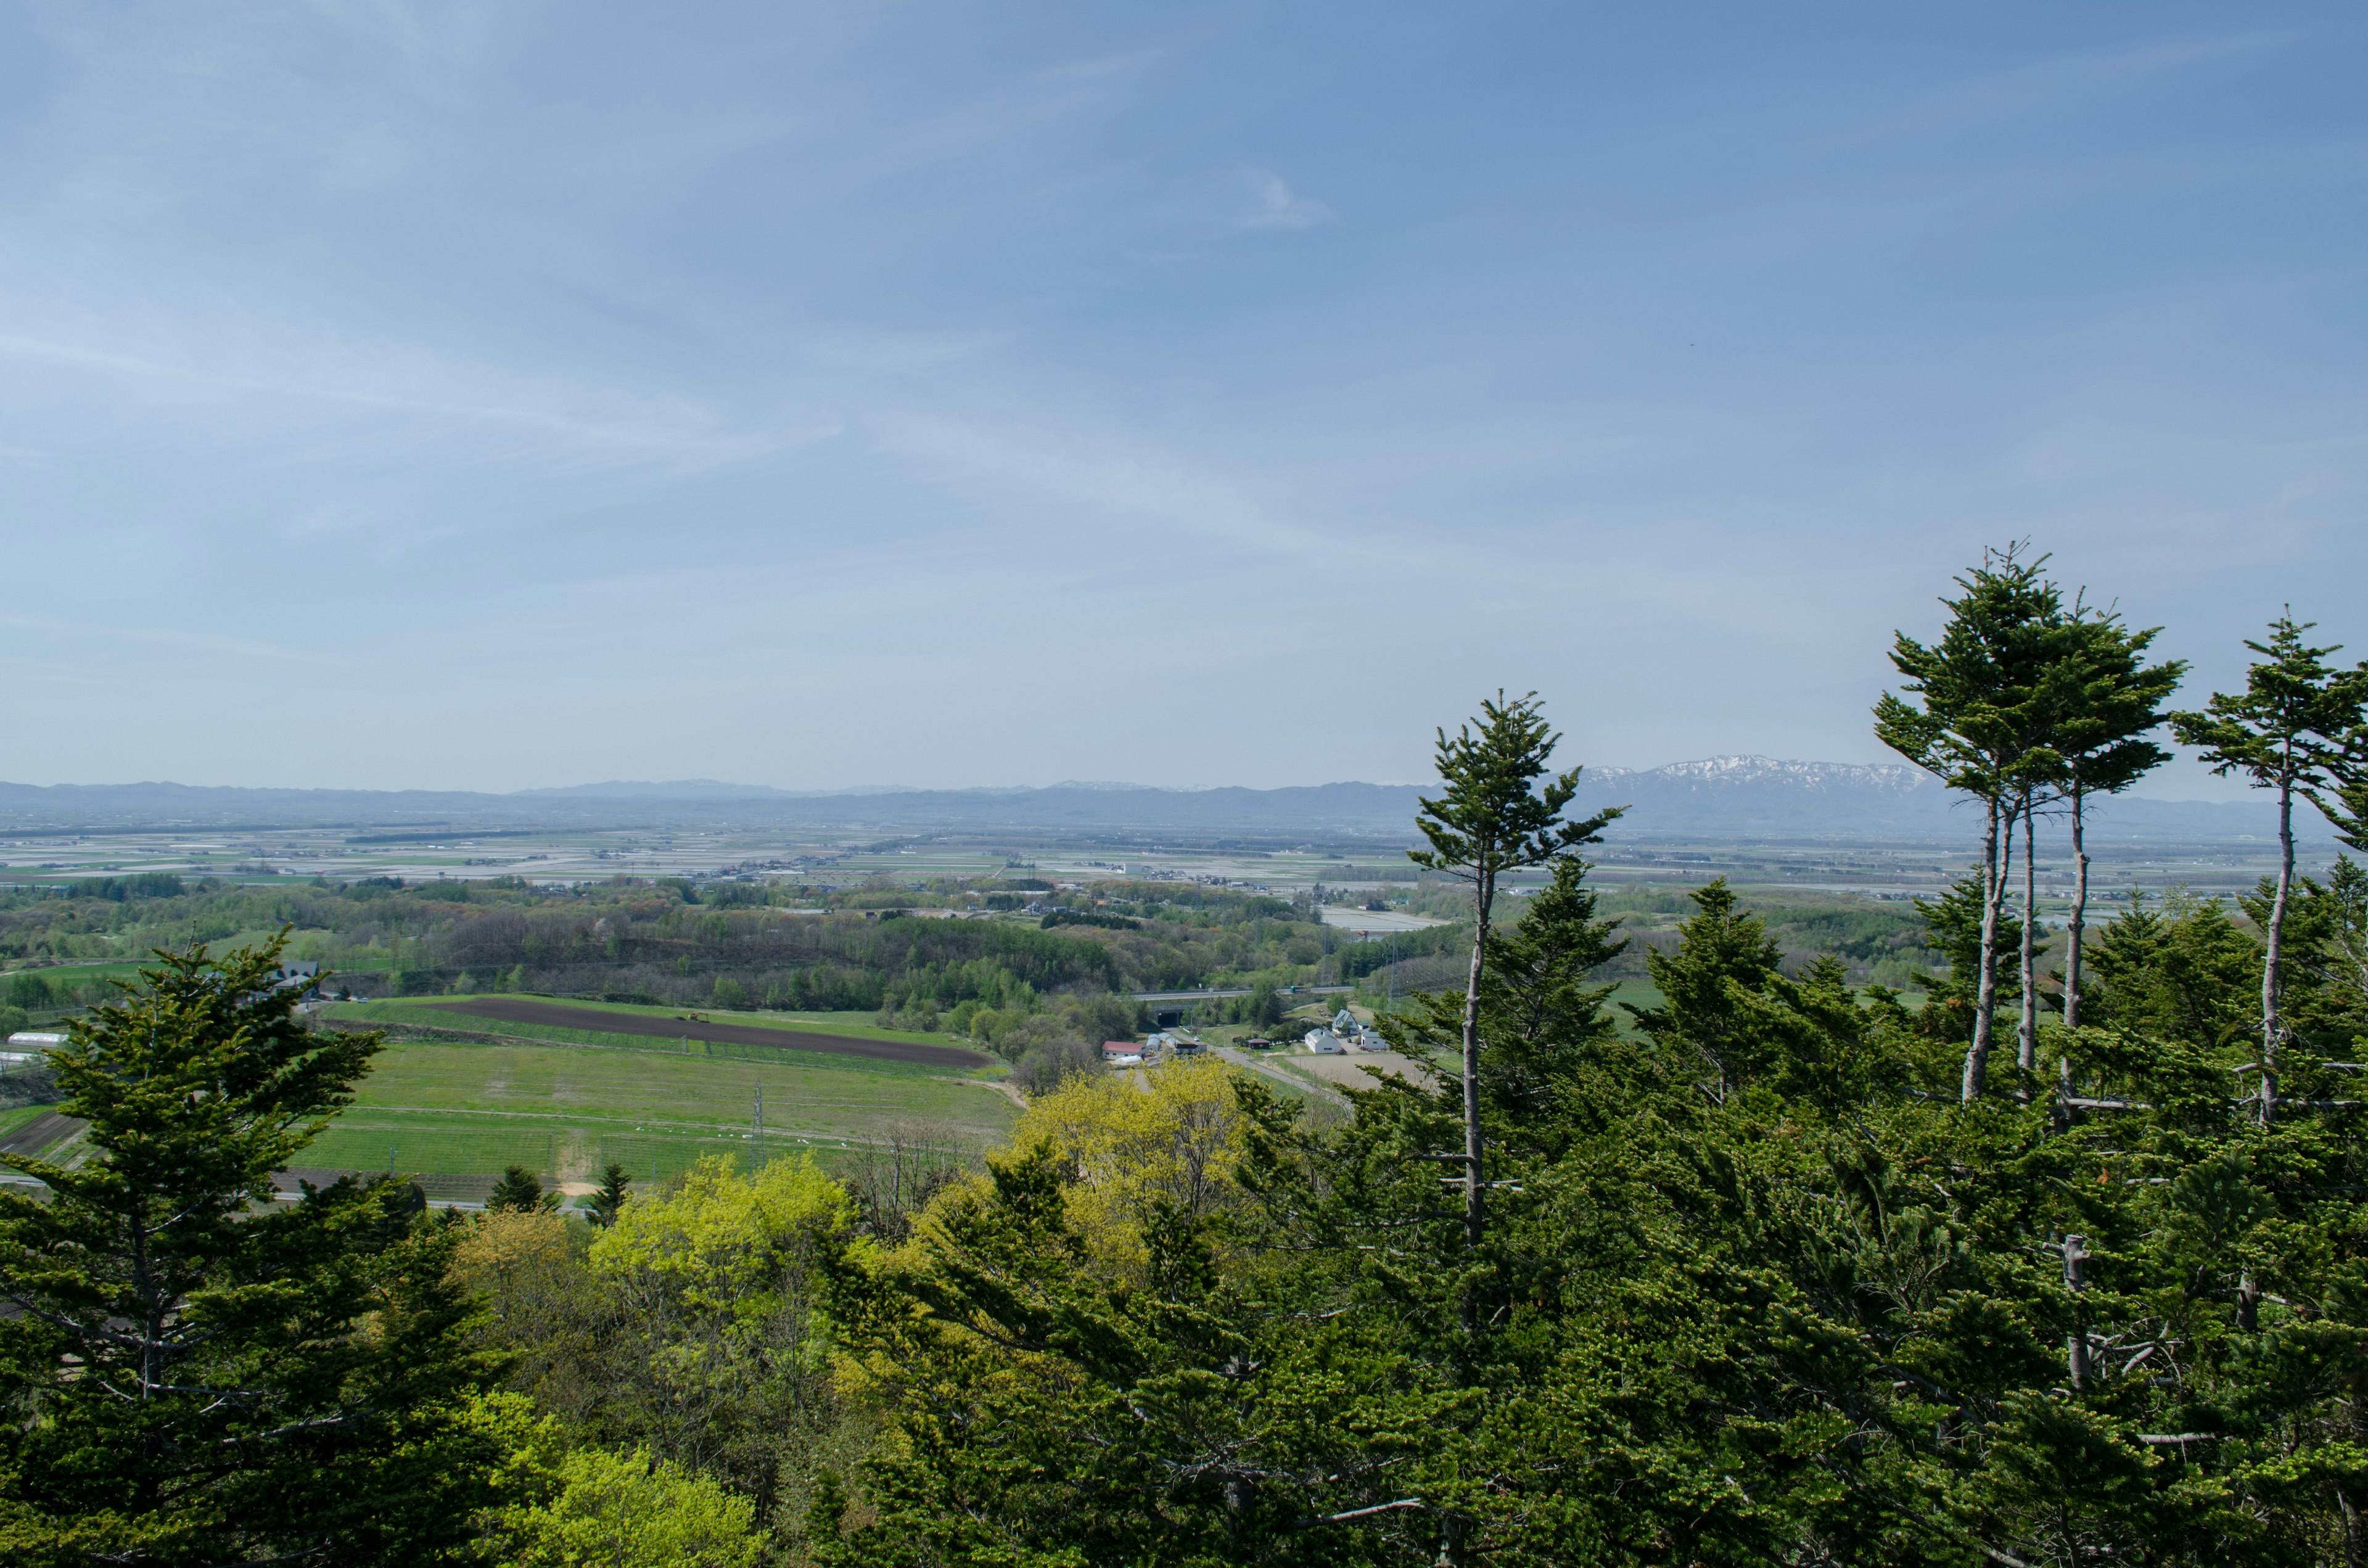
<point>765,1036</point>
<point>359,1119</point>
<point>652,1045</point>
<point>839,1025</point>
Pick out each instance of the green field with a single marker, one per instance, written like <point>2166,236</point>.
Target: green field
<point>419,1013</point>
<point>472,1108</point>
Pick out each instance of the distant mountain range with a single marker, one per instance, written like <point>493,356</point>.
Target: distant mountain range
<point>1716,796</point>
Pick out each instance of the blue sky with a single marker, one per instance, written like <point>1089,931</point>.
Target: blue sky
<point>489,396</point>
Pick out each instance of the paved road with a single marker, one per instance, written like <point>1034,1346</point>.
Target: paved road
<point>518,1010</point>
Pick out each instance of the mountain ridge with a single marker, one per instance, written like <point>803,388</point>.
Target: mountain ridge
<point>1727,795</point>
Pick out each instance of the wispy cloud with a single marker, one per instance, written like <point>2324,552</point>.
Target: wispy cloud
<point>1271,205</point>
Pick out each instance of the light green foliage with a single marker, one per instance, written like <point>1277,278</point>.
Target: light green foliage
<point>632,1510</point>
<point>722,1242</point>
<point>688,1327</point>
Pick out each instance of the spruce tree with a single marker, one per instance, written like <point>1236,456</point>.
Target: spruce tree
<point>2292,730</point>
<point>194,1372</point>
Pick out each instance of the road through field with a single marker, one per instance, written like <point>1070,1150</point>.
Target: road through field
<point>559,1015</point>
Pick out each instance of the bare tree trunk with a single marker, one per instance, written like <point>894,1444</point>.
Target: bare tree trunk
<point>1474,1187</point>
<point>2270,1029</point>
<point>2079,921</point>
<point>2026,1035</point>
<point>1978,1056</point>
<point>2073,928</point>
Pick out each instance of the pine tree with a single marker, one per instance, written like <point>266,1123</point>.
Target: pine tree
<point>2292,730</point>
<point>194,1372</point>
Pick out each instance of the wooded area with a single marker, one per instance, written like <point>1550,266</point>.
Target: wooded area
<point>1781,1269</point>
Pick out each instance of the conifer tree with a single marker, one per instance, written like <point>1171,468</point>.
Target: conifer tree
<point>1978,726</point>
<point>519,1192</point>
<point>193,1372</point>
<point>2103,700</point>
<point>610,1200</point>
<point>1722,952</point>
<point>1500,811</point>
<point>2291,730</point>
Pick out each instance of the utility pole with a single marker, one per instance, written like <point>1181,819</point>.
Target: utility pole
<point>760,1127</point>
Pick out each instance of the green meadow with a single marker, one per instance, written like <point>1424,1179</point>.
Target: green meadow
<point>565,1111</point>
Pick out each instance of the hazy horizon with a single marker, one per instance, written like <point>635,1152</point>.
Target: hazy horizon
<point>2152,789</point>
<point>457,397</point>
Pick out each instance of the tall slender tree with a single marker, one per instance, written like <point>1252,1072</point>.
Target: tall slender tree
<point>1974,723</point>
<point>2103,700</point>
<point>2293,730</point>
<point>1501,809</point>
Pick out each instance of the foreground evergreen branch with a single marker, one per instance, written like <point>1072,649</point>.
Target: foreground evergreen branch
<point>193,1372</point>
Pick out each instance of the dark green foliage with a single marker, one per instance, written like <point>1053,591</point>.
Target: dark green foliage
<point>2296,729</point>
<point>2178,971</point>
<point>1797,1310</point>
<point>1499,809</point>
<point>1060,917</point>
<point>611,1195</point>
<point>518,1192</point>
<point>1052,1415</point>
<point>2287,730</point>
<point>189,1379</point>
<point>1952,927</point>
<point>1724,956</point>
<point>145,884</point>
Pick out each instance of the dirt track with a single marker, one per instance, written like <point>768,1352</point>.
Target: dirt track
<point>554,1015</point>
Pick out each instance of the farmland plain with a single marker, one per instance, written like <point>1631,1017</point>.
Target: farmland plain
<point>448,1097</point>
